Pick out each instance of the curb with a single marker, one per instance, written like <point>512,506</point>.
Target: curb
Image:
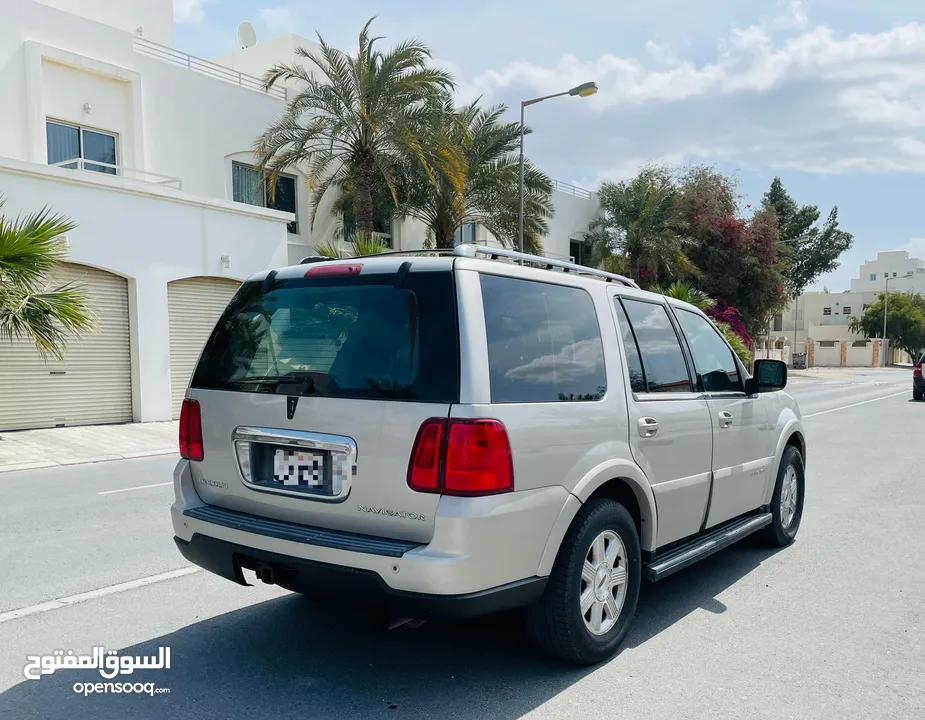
<point>15,467</point>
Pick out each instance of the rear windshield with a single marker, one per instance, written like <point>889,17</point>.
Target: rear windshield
<point>366,336</point>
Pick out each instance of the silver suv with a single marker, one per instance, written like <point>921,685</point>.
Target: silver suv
<point>446,436</point>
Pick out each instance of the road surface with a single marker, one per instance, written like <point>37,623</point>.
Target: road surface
<point>832,627</point>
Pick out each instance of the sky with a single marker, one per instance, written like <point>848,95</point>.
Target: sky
<point>829,95</point>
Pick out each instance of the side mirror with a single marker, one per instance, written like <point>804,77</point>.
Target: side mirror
<point>770,375</point>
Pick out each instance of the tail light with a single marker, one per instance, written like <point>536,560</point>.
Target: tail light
<point>191,431</point>
<point>461,457</point>
<point>917,370</point>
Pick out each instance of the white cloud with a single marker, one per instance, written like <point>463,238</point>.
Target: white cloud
<point>190,11</point>
<point>277,20</point>
<point>777,94</point>
<point>915,247</point>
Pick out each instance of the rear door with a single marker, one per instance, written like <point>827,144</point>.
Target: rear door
<point>670,432</point>
<point>366,356</point>
<point>741,443</point>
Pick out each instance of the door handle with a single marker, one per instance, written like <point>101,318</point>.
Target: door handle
<point>647,427</point>
<point>725,419</point>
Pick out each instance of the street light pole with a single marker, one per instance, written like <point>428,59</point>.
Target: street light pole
<point>583,90</point>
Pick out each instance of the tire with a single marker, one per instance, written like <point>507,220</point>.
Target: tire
<point>780,532</point>
<point>918,395</point>
<point>556,622</point>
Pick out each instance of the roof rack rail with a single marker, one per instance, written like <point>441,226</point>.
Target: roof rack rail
<point>388,253</point>
<point>471,251</point>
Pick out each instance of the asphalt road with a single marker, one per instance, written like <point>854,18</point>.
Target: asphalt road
<point>832,627</point>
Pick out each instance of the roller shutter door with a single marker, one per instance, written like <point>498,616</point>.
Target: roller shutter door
<point>93,384</point>
<point>195,305</point>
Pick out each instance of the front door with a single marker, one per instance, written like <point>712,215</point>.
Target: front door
<point>740,455</point>
<point>670,435</point>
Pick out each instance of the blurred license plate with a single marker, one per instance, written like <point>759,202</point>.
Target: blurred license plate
<point>299,468</point>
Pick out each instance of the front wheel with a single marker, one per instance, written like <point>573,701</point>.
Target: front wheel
<point>787,501</point>
<point>591,596</point>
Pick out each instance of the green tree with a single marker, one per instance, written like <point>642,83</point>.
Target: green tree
<point>490,192</point>
<point>814,250</point>
<point>30,248</point>
<point>639,219</point>
<point>361,119</point>
<point>741,261</point>
<point>905,322</point>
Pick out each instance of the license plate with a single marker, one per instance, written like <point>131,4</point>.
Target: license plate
<point>299,468</point>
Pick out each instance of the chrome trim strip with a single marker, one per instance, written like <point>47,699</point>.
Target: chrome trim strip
<point>339,444</point>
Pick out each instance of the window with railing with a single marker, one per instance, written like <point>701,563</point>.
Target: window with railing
<point>827,311</point>
<point>248,186</point>
<point>92,150</point>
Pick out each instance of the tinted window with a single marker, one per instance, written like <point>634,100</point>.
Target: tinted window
<point>713,359</point>
<point>357,337</point>
<point>662,360</point>
<point>633,363</point>
<point>544,342</point>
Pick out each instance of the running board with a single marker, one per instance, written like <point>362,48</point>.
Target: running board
<point>704,545</point>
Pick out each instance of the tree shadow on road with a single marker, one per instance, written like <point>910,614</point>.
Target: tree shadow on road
<point>289,657</point>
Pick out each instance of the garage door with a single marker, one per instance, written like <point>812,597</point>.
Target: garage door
<point>93,384</point>
<point>195,305</point>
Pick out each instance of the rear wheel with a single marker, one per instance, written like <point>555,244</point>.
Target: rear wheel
<point>787,501</point>
<point>591,596</point>
<point>918,394</point>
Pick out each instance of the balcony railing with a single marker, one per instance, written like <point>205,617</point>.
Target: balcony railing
<point>120,171</point>
<point>206,67</point>
<point>570,189</point>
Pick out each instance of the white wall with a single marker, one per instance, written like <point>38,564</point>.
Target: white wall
<point>827,356</point>
<point>154,17</point>
<point>150,235</point>
<point>573,214</point>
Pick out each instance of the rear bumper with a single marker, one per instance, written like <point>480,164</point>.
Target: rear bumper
<point>352,586</point>
<point>480,547</point>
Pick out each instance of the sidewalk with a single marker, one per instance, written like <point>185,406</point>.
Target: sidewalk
<point>30,449</point>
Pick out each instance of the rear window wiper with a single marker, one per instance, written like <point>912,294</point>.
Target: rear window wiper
<point>306,383</point>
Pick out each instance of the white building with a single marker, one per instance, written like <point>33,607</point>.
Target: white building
<point>825,317</point>
<point>147,149</point>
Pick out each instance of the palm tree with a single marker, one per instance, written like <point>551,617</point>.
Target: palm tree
<point>685,292</point>
<point>362,244</point>
<point>30,248</point>
<point>640,222</point>
<point>490,192</point>
<point>360,120</point>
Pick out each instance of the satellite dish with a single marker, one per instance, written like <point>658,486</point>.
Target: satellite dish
<point>247,36</point>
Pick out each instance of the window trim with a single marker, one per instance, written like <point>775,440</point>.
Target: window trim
<point>80,144</point>
<point>695,394</point>
<point>295,193</point>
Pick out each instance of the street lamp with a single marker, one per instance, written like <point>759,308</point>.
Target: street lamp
<point>584,90</point>
<point>886,298</point>
<point>796,302</point>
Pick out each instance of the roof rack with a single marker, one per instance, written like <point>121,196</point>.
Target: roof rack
<point>471,251</point>
<point>389,253</point>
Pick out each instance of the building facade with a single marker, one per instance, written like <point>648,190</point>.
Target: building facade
<point>825,317</point>
<point>148,150</point>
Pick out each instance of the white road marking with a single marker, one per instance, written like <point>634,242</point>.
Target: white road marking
<point>139,487</point>
<point>863,402</point>
<point>93,594</point>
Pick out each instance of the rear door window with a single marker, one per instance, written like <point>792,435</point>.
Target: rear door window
<point>663,361</point>
<point>713,359</point>
<point>544,342</point>
<point>360,336</point>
